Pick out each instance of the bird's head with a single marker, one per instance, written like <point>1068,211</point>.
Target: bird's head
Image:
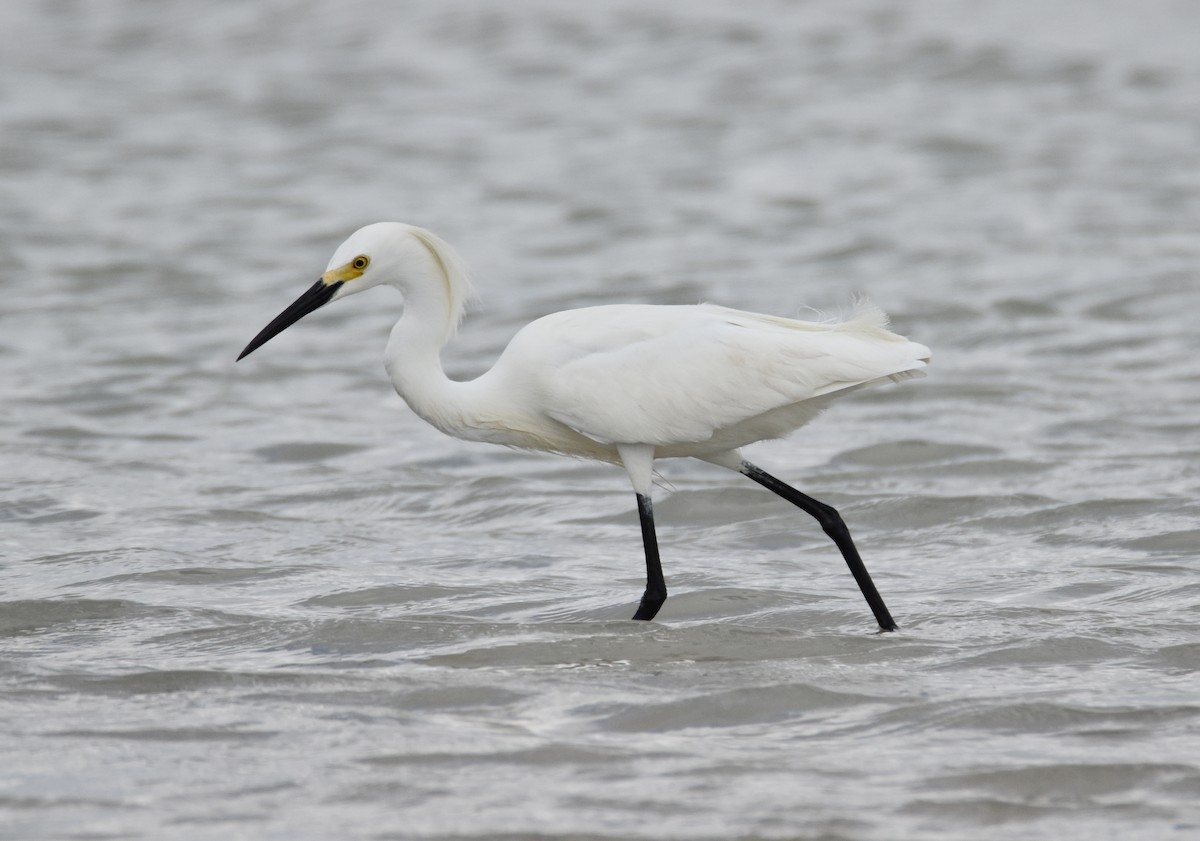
<point>407,257</point>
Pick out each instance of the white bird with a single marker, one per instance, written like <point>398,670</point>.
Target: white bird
<point>623,384</point>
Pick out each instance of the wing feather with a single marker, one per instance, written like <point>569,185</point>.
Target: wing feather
<point>673,375</point>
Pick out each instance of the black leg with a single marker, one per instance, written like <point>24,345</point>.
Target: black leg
<point>656,587</point>
<point>833,525</point>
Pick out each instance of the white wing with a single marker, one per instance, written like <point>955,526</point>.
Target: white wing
<point>676,375</point>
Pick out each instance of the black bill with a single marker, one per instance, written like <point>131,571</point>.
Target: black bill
<point>316,297</point>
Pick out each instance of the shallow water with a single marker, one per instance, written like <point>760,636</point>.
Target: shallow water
<point>264,601</point>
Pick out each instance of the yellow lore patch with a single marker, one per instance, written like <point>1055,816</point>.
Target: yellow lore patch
<point>348,272</point>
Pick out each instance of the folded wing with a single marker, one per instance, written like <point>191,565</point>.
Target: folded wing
<point>675,375</point>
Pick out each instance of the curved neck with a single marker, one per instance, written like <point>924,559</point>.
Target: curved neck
<point>414,363</point>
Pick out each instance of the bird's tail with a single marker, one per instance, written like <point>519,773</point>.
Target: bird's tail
<point>866,315</point>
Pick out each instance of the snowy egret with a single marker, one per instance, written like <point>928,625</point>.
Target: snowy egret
<point>624,384</point>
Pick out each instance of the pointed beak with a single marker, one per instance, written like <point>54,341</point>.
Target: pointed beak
<point>317,296</point>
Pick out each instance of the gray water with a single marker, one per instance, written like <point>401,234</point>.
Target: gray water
<point>264,601</point>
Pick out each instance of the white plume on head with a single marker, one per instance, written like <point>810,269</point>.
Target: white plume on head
<point>401,255</point>
<point>459,290</point>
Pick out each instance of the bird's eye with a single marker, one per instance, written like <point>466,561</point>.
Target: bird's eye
<point>361,262</point>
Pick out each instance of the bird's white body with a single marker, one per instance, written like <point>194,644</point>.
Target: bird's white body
<point>686,380</point>
<point>626,384</point>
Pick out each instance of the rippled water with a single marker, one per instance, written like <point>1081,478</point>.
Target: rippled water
<point>264,601</point>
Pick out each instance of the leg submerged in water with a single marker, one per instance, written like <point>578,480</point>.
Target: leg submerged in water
<point>656,586</point>
<point>833,525</point>
<point>638,460</point>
